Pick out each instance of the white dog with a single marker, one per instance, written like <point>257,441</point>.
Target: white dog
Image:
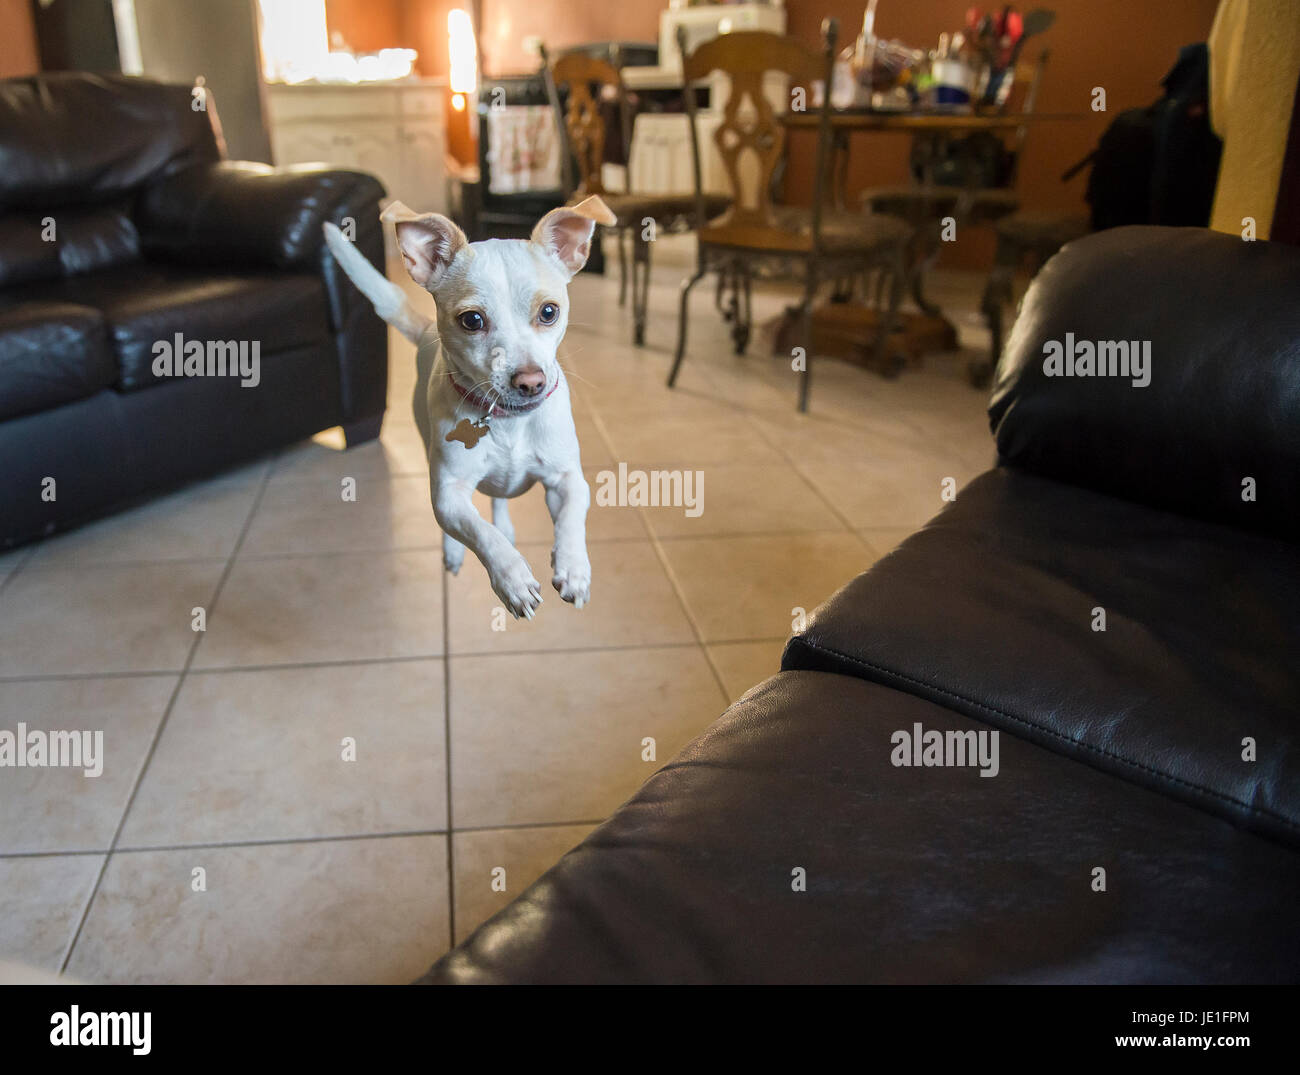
<point>492,403</point>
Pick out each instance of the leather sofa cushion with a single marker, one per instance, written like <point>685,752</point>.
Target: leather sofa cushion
<point>76,138</point>
<point>82,239</point>
<point>1223,403</point>
<point>241,214</point>
<point>145,303</point>
<point>913,874</point>
<point>51,353</point>
<point>24,255</point>
<point>93,239</point>
<point>989,610</point>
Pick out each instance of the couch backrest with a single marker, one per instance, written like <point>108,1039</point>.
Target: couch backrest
<point>1196,408</point>
<point>70,138</point>
<point>74,150</point>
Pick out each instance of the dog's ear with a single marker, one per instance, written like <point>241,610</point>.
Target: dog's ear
<point>567,232</point>
<point>428,242</point>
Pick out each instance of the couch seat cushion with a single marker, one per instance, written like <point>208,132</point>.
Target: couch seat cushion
<point>993,610</point>
<point>146,303</point>
<point>51,353</point>
<point>933,874</point>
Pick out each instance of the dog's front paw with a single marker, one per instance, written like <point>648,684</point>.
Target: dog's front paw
<point>453,554</point>
<point>572,578</point>
<point>518,590</point>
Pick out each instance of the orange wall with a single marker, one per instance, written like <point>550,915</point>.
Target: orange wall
<point>1121,45</point>
<point>422,25</point>
<point>18,54</point>
<point>369,25</point>
<point>561,23</point>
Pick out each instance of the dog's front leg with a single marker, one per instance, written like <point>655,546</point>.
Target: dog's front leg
<point>567,500</point>
<point>508,571</point>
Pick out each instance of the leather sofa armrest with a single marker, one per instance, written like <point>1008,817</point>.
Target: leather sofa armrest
<point>248,215</point>
<point>1162,366</point>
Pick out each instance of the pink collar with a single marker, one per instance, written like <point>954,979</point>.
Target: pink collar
<point>497,410</point>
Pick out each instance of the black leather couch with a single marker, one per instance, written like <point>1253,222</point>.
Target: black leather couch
<point>1126,750</point>
<point>122,225</point>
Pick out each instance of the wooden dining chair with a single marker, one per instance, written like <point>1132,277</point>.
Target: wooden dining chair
<point>754,237</point>
<point>641,217</point>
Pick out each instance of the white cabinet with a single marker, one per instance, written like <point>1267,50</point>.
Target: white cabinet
<point>394,131</point>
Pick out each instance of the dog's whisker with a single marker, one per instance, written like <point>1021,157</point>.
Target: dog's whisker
<point>580,377</point>
<point>569,372</point>
<point>473,390</point>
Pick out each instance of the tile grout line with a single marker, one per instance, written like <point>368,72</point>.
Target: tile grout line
<point>375,550</point>
<point>302,665</point>
<point>686,609</point>
<point>286,841</point>
<point>162,724</point>
<point>673,581</point>
<point>599,422</point>
<point>789,461</point>
<point>22,562</point>
<point>446,759</point>
<point>856,531</point>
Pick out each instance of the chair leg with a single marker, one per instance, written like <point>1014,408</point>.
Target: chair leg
<point>640,286</point>
<point>898,275</point>
<point>997,293</point>
<point>682,314</point>
<point>806,331</point>
<point>622,266</point>
<point>923,265</point>
<point>741,306</point>
<point>749,303</point>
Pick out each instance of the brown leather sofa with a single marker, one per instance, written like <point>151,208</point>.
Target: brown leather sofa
<point>121,225</point>
<point>1143,824</point>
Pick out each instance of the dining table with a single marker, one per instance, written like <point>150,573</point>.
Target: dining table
<point>842,327</point>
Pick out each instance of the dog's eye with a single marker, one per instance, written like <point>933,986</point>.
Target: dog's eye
<point>471,321</point>
<point>548,313</point>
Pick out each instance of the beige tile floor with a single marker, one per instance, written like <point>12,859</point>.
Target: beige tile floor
<point>229,840</point>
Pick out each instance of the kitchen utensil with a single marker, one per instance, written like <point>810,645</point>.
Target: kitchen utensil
<point>1036,22</point>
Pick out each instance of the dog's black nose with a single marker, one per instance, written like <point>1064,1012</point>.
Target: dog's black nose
<point>529,380</point>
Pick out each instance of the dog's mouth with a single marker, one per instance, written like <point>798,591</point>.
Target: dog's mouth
<point>492,401</point>
<point>526,403</point>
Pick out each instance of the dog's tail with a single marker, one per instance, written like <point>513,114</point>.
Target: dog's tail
<point>389,300</point>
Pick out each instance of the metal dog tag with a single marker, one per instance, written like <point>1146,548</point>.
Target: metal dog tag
<point>469,433</point>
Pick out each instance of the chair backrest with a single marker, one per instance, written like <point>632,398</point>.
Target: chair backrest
<point>581,122</point>
<point>749,123</point>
